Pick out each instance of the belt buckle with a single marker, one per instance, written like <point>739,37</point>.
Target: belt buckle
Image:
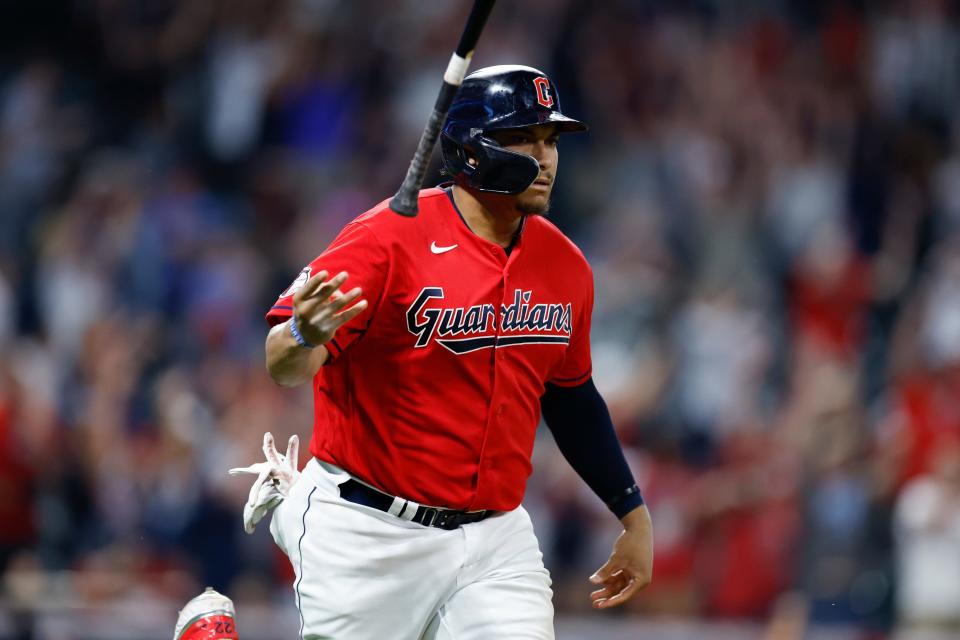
<point>429,516</point>
<point>442,518</point>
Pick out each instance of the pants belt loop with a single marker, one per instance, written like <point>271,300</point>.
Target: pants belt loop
<point>409,510</point>
<point>397,506</point>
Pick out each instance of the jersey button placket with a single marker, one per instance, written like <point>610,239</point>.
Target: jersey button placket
<point>483,463</point>
<point>505,275</point>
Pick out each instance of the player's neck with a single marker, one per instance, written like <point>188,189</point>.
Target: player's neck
<point>493,217</point>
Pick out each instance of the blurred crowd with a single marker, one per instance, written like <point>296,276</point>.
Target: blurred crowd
<point>769,196</point>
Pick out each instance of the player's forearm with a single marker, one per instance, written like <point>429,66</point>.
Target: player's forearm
<point>581,426</point>
<point>288,363</point>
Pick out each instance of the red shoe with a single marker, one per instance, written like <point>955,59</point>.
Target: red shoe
<point>209,616</point>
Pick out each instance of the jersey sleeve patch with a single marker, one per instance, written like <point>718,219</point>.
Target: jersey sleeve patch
<point>297,283</point>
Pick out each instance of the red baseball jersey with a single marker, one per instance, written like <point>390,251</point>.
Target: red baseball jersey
<point>433,393</point>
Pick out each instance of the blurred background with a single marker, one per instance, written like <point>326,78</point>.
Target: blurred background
<point>770,198</point>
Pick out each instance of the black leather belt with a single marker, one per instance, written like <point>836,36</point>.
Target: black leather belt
<point>359,493</point>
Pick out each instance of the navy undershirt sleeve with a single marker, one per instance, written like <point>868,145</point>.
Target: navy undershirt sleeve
<point>581,425</point>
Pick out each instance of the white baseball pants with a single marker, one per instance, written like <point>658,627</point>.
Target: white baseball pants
<point>362,573</point>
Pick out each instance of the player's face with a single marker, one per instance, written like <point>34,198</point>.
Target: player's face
<point>540,142</point>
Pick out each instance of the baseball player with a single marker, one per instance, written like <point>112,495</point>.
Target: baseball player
<point>433,345</point>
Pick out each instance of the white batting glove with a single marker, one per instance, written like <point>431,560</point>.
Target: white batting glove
<point>275,476</point>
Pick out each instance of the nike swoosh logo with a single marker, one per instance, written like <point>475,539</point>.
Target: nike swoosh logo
<point>435,249</point>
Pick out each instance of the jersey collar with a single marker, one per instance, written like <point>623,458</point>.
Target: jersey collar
<point>448,188</point>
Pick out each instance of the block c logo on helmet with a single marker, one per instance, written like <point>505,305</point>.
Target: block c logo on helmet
<point>543,91</point>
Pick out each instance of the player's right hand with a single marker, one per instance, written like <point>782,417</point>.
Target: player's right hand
<point>320,308</point>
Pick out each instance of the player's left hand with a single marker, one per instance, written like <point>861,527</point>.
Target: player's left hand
<point>275,476</point>
<point>630,567</point>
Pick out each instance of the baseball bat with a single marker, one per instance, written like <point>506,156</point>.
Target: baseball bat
<point>405,200</point>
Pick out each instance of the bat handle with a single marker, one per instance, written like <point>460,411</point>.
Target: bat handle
<point>404,201</point>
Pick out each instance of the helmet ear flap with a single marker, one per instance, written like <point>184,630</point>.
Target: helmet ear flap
<point>454,157</point>
<point>507,171</point>
<point>486,166</point>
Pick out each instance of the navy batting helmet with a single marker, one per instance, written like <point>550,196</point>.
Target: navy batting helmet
<point>501,97</point>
